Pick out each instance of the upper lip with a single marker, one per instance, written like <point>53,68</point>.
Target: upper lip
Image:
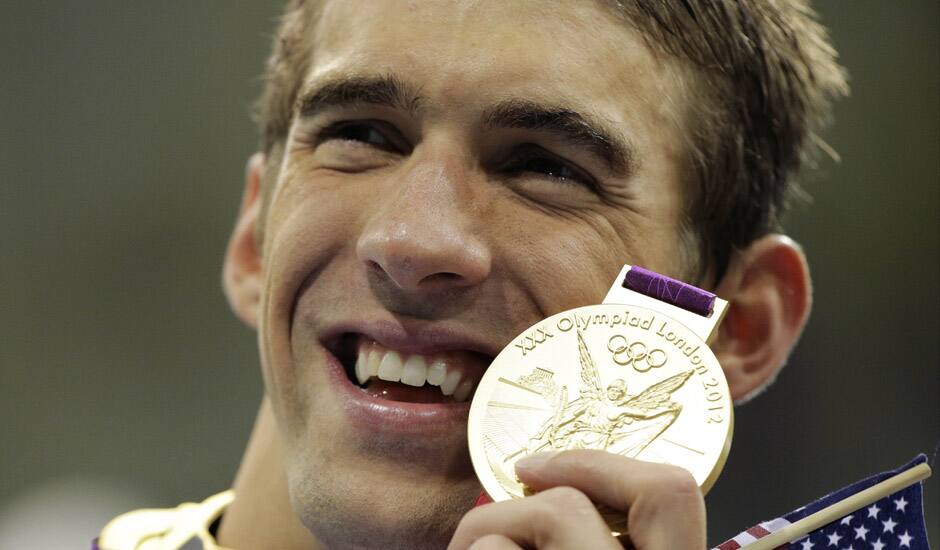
<point>424,338</point>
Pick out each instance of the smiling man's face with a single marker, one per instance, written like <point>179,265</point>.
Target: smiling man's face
<point>455,172</point>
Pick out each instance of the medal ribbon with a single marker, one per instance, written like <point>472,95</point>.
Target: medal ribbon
<point>669,290</point>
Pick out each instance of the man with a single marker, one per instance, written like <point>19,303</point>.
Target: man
<point>434,178</point>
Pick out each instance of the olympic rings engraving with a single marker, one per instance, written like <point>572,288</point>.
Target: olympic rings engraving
<point>637,354</point>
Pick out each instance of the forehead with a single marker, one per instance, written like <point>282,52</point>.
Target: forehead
<point>465,55</point>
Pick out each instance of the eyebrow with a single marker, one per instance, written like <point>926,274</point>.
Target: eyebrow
<point>577,129</point>
<point>386,90</point>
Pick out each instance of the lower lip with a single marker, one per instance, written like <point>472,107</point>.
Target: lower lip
<point>381,415</point>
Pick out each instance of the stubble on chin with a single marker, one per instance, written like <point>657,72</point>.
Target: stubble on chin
<point>345,511</point>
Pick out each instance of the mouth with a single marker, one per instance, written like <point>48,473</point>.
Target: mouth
<point>380,371</point>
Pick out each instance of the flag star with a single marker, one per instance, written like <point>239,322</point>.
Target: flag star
<point>860,532</point>
<point>901,504</point>
<point>889,525</point>
<point>807,545</point>
<point>904,540</point>
<point>846,520</point>
<point>834,539</point>
<point>873,511</point>
<point>877,545</point>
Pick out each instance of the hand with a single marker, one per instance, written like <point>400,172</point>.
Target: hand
<point>664,506</point>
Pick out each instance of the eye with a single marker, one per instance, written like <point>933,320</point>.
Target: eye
<point>535,160</point>
<point>371,133</point>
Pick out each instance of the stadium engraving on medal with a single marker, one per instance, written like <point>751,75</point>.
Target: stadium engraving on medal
<point>620,378</point>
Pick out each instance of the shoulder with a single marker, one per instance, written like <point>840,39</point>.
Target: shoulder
<point>185,527</point>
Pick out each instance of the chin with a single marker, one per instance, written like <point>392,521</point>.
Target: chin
<point>378,509</point>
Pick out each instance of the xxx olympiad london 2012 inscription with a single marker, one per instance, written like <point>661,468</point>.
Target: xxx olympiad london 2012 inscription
<point>619,378</point>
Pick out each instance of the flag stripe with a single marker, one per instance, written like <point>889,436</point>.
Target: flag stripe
<point>758,531</point>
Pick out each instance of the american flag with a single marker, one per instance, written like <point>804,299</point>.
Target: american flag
<point>893,522</point>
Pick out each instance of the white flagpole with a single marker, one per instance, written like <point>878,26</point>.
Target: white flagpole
<point>842,508</point>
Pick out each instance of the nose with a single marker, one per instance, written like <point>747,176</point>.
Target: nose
<point>423,237</point>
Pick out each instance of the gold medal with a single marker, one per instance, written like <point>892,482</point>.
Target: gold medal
<point>633,376</point>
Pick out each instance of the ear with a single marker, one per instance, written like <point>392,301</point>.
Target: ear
<point>241,274</point>
<point>769,292</point>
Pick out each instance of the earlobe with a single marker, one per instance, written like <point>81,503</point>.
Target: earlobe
<point>241,274</point>
<point>769,292</point>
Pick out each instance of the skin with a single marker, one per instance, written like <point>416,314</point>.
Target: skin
<point>435,232</point>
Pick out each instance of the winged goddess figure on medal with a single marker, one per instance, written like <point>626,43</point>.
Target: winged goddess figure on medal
<point>610,419</point>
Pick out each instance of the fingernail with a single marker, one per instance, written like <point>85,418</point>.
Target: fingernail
<point>534,462</point>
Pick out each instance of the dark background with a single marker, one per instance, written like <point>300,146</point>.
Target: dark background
<point>125,381</point>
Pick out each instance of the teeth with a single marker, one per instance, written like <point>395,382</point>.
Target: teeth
<point>362,374</point>
<point>437,372</point>
<point>463,390</point>
<point>374,358</point>
<point>450,382</point>
<point>390,368</point>
<point>414,371</point>
<point>448,372</point>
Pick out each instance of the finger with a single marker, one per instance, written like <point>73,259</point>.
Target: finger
<point>561,518</point>
<point>664,505</point>
<point>494,542</point>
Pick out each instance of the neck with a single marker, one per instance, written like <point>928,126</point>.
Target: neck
<point>261,515</point>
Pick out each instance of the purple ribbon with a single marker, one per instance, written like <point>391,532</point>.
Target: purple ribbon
<point>669,290</point>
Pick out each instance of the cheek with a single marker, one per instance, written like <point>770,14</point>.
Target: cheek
<point>570,260</point>
<point>311,219</point>
<point>307,226</point>
<point>561,260</point>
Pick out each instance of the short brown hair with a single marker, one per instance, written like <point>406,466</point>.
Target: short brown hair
<point>766,71</point>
